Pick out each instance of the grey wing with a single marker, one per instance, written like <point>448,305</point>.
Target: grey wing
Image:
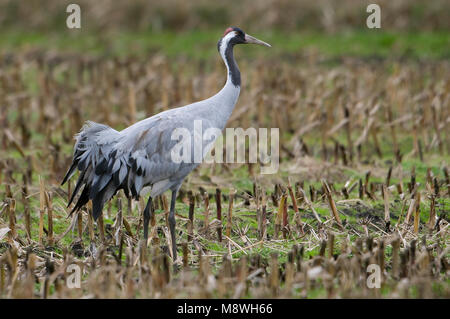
<point>109,161</point>
<point>138,156</point>
<point>139,151</point>
<point>153,152</point>
<point>152,160</point>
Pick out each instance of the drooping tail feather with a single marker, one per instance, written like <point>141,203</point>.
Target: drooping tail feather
<point>101,198</point>
<point>82,200</point>
<point>92,148</point>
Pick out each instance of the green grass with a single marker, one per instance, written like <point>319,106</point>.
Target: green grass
<point>201,44</point>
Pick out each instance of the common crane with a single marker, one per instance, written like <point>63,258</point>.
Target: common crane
<point>140,155</point>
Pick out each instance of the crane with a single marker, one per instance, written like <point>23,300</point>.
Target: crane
<point>139,157</point>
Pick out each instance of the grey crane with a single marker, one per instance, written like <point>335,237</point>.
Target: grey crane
<point>140,157</point>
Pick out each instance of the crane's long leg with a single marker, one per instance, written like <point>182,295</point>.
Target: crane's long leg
<point>172,224</point>
<point>148,211</point>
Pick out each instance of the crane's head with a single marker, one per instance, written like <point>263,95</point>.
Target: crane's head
<point>234,36</point>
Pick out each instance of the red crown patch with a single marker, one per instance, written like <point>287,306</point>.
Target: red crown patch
<point>228,30</point>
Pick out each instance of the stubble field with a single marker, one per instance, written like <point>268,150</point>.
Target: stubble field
<point>363,182</point>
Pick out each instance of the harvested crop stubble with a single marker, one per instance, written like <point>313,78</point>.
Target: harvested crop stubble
<point>363,180</point>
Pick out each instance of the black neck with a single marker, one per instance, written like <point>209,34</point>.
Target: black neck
<point>233,69</point>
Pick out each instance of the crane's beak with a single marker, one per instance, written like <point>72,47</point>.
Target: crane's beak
<point>250,39</point>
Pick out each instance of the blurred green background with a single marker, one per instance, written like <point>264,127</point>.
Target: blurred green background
<point>409,28</point>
